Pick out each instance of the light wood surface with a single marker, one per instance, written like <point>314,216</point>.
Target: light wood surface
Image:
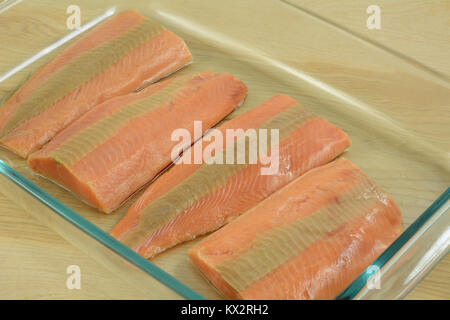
<point>414,28</point>
<point>33,259</point>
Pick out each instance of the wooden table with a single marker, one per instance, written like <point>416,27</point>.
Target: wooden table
<point>33,259</point>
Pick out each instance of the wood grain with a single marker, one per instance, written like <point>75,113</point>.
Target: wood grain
<point>417,29</point>
<point>33,259</point>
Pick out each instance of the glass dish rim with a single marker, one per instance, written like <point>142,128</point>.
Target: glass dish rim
<point>359,283</point>
<point>171,282</point>
<point>98,234</point>
<point>168,280</point>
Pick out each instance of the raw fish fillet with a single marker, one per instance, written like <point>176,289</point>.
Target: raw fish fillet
<point>117,147</point>
<point>309,240</point>
<point>193,199</point>
<point>114,59</point>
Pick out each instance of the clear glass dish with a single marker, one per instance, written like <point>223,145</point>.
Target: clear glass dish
<point>395,112</point>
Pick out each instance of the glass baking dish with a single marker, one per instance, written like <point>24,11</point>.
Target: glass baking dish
<point>395,111</point>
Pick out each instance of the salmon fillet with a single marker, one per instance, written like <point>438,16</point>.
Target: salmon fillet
<point>117,147</point>
<point>309,240</point>
<point>114,59</point>
<point>193,199</point>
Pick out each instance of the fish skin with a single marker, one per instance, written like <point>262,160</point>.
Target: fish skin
<point>155,58</point>
<point>104,169</point>
<point>306,146</point>
<point>317,234</point>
